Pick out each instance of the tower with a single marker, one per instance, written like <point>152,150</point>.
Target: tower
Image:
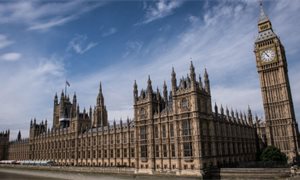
<point>100,112</point>
<point>281,125</point>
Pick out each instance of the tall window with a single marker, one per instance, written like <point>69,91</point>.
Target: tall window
<point>156,131</point>
<point>143,151</point>
<point>132,137</point>
<point>156,150</point>
<point>186,131</point>
<point>164,131</point>
<point>132,152</point>
<point>171,130</point>
<point>118,153</point>
<point>165,150</point>
<point>99,153</point>
<point>173,150</point>
<point>125,153</point>
<point>111,153</point>
<point>187,149</point>
<point>143,132</point>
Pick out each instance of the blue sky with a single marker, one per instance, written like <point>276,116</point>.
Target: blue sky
<point>43,43</point>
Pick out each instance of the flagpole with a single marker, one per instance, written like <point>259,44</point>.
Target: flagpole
<point>66,88</point>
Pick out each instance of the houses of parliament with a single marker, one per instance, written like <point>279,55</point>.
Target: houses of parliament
<point>176,129</point>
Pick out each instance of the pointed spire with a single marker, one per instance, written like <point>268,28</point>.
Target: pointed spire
<point>216,108</point>
<point>227,111</point>
<point>165,92</point>
<point>149,86</point>
<point>222,110</point>
<point>135,91</point>
<point>192,72</point>
<point>55,99</point>
<point>174,81</point>
<point>74,98</point>
<point>206,82</point>
<point>62,95</point>
<point>262,15</point>
<point>100,98</point>
<point>200,82</point>
<point>100,88</point>
<point>19,136</point>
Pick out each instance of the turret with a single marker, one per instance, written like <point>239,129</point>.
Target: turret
<point>227,111</point>
<point>192,74</point>
<point>174,81</point>
<point>206,82</point>
<point>135,91</point>
<point>222,110</point>
<point>100,98</point>
<point>55,99</point>
<point>216,109</point>
<point>165,92</point>
<point>200,82</point>
<point>90,113</point>
<point>62,96</point>
<point>250,120</point>
<point>19,136</point>
<point>74,99</point>
<point>149,85</point>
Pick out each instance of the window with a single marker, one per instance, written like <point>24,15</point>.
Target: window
<point>125,153</point>
<point>144,151</point>
<point>118,153</point>
<point>164,131</point>
<point>112,139</point>
<point>132,137</point>
<point>187,149</point>
<point>125,138</point>
<point>173,150</point>
<point>171,130</point>
<point>105,153</point>
<point>99,153</point>
<point>165,150</point>
<point>156,150</point>
<point>143,132</point>
<point>186,131</point>
<point>132,152</point>
<point>156,131</point>
<point>111,153</point>
<point>118,139</point>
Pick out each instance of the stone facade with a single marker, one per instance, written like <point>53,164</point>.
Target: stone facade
<point>178,131</point>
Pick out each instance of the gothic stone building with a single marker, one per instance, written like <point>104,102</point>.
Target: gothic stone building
<point>176,131</point>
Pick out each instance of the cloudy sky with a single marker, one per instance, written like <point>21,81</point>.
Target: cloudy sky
<point>45,43</point>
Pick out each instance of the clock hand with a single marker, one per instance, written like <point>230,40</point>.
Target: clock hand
<point>266,54</point>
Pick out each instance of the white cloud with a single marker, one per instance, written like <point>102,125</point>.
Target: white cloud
<point>28,91</point>
<point>13,56</point>
<point>80,45</point>
<point>132,47</point>
<point>161,8</point>
<point>42,15</point>
<point>109,32</point>
<point>4,41</point>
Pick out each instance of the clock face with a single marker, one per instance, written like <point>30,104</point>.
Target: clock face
<point>268,55</point>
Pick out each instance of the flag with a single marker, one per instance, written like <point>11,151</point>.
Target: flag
<point>67,83</point>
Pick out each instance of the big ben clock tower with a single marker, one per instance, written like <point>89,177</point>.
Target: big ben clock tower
<point>281,125</point>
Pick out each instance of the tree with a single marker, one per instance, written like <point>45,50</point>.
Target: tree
<point>273,154</point>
